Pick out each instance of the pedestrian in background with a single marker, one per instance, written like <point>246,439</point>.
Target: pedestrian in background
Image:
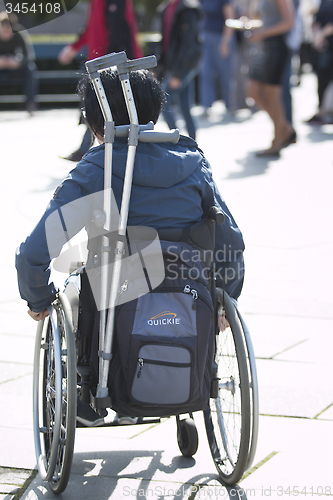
<point>294,40</point>
<point>17,59</point>
<point>323,60</point>
<point>267,68</point>
<point>219,48</point>
<point>180,57</point>
<point>111,27</point>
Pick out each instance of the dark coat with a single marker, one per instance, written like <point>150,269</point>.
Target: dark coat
<point>185,47</point>
<point>172,187</point>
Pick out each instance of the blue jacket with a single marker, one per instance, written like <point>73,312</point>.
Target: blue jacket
<point>172,187</point>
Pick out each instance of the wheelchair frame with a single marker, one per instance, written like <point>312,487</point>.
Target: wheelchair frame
<point>233,407</point>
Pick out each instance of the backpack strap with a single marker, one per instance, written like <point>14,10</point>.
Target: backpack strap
<point>200,234</point>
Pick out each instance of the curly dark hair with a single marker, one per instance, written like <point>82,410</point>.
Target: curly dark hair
<point>149,98</point>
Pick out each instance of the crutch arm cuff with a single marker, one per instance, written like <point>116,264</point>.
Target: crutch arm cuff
<point>109,132</point>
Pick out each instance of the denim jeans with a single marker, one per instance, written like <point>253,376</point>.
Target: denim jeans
<point>26,74</point>
<point>216,68</point>
<point>184,96</point>
<point>286,94</point>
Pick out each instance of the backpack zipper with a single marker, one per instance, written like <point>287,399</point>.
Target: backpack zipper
<point>142,361</point>
<point>186,289</point>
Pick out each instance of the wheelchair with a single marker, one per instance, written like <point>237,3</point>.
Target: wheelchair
<point>231,417</point>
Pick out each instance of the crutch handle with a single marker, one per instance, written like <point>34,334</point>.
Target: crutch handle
<point>148,134</point>
<point>133,65</point>
<point>107,61</point>
<point>123,130</point>
<point>119,59</point>
<point>155,136</point>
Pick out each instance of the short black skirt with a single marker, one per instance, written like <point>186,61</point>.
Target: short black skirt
<point>269,62</point>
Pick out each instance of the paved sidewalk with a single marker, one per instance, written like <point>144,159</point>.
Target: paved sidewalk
<point>285,210</point>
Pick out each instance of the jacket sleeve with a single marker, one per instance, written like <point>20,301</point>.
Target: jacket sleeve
<point>81,41</point>
<point>229,243</point>
<point>186,51</point>
<point>64,217</point>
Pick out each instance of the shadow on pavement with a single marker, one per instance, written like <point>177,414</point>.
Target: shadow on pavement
<point>239,116</point>
<point>102,472</point>
<point>252,166</point>
<point>317,134</point>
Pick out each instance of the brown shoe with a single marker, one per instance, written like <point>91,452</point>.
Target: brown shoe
<point>291,139</point>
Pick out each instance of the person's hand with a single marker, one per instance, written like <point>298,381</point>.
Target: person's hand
<point>9,63</point>
<point>224,47</point>
<point>13,63</point>
<point>223,323</point>
<point>257,35</point>
<point>67,55</point>
<point>174,83</point>
<point>38,316</point>
<point>319,41</point>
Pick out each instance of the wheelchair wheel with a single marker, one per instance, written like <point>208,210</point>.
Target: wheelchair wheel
<point>54,395</point>
<point>187,437</point>
<point>228,421</point>
<point>254,392</point>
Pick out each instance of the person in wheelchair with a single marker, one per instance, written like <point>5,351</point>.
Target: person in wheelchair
<point>172,187</point>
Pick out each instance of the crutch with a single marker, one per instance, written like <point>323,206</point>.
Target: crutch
<point>135,133</point>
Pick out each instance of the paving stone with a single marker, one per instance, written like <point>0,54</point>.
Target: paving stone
<point>13,481</point>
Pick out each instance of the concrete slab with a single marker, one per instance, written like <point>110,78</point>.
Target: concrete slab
<point>286,337</point>
<point>326,414</point>
<point>13,371</point>
<point>294,389</point>
<point>293,466</point>
<point>17,444</point>
<point>21,350</point>
<point>317,347</point>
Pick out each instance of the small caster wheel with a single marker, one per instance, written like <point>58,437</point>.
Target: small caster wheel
<point>187,437</point>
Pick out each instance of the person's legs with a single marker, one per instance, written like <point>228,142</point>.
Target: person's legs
<point>286,94</point>
<point>225,72</point>
<point>240,70</point>
<point>167,112</point>
<point>255,92</point>
<point>268,98</point>
<point>275,109</point>
<point>185,99</point>
<point>29,85</point>
<point>207,72</point>
<point>25,78</point>
<point>183,96</point>
<point>324,78</point>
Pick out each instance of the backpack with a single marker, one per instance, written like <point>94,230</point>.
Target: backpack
<point>164,340</point>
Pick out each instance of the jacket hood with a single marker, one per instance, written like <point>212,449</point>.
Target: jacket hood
<point>160,165</point>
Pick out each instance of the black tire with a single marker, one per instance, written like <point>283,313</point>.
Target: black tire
<point>187,437</point>
<point>55,394</point>
<point>228,419</point>
<point>254,392</point>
